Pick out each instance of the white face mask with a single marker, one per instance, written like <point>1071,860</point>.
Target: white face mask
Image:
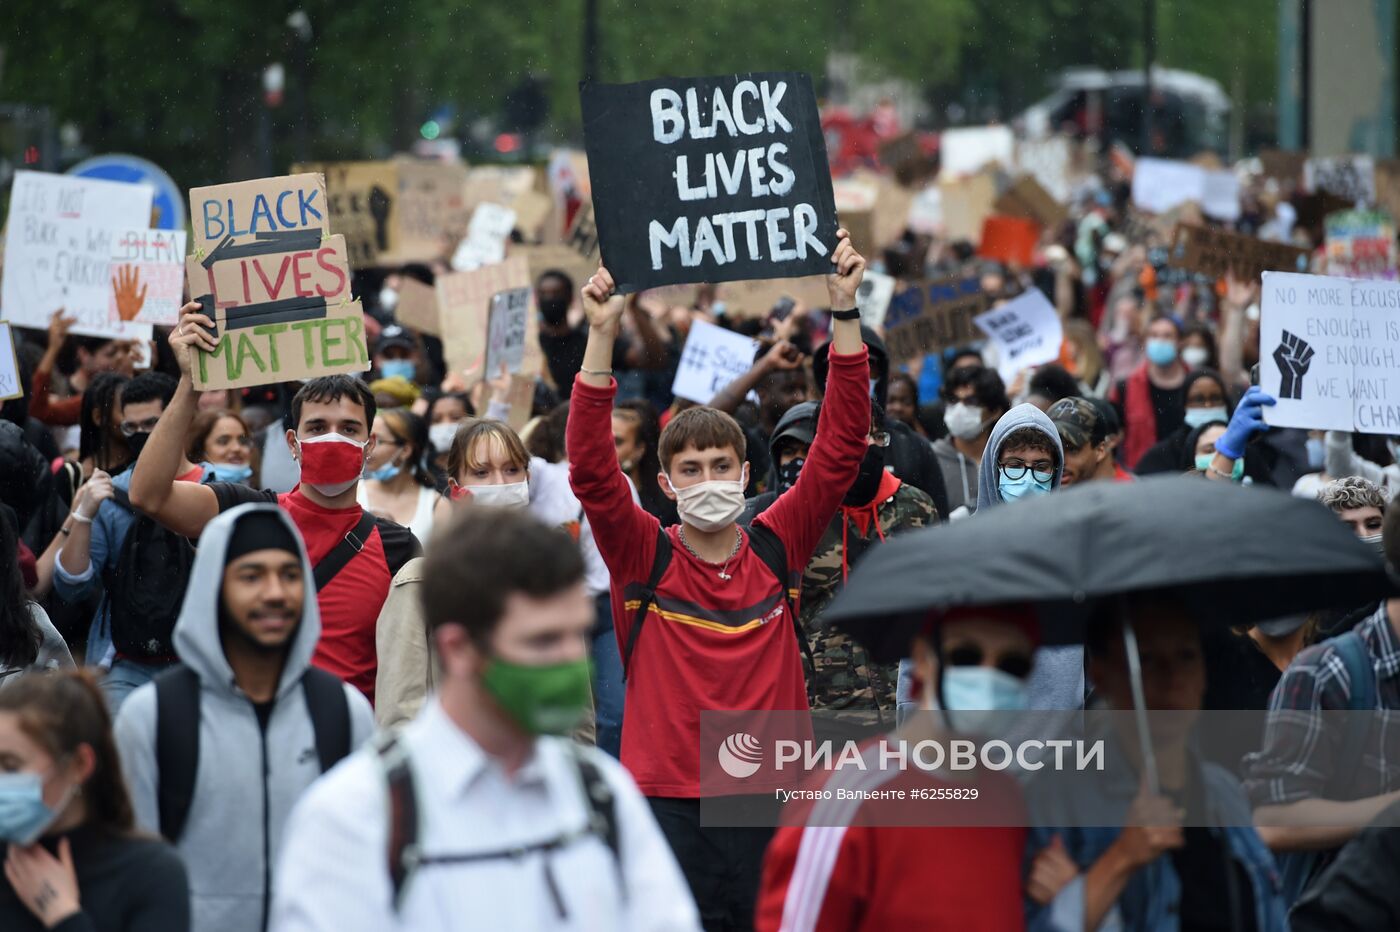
<point>509,495</point>
<point>710,506</point>
<point>1195,356</point>
<point>440,436</point>
<point>388,299</point>
<point>963,420</point>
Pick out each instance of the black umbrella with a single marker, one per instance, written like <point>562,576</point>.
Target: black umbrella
<point>1232,554</point>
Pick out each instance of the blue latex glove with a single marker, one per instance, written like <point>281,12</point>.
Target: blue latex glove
<point>1247,421</point>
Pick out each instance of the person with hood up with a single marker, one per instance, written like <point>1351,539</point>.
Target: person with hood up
<point>878,505</point>
<point>254,721</point>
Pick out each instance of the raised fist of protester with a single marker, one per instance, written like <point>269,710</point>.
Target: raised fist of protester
<point>93,493</point>
<point>841,285</point>
<point>1051,871</point>
<point>1152,827</point>
<point>781,356</point>
<point>58,328</point>
<point>191,333</point>
<point>602,308</point>
<point>1247,421</point>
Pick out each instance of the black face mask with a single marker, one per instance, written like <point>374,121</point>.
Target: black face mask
<point>787,474</point>
<point>136,443</point>
<point>553,310</point>
<point>872,470</point>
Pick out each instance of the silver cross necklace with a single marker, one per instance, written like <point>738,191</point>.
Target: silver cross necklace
<point>724,571</point>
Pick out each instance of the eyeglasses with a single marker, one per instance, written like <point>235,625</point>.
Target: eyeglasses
<point>879,438</point>
<point>970,655</point>
<point>131,428</point>
<point>1015,471</point>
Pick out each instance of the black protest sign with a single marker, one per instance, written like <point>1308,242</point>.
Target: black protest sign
<point>932,315</point>
<point>709,179</point>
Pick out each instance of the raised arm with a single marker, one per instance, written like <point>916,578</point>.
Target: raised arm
<point>648,351</point>
<point>781,356</point>
<point>184,507</point>
<point>42,406</point>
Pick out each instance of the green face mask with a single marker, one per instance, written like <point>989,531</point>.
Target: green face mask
<point>1204,460</point>
<point>543,700</point>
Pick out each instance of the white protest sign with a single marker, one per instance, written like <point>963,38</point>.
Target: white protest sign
<point>926,211</point>
<point>147,277</point>
<point>1027,332</point>
<point>1048,161</point>
<point>10,386</point>
<point>1162,184</point>
<point>485,242</point>
<point>873,298</point>
<point>1330,353</point>
<point>713,357</point>
<point>1352,177</point>
<point>505,331</point>
<point>964,151</point>
<point>58,249</point>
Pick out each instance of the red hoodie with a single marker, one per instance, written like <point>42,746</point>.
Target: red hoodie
<point>709,644</point>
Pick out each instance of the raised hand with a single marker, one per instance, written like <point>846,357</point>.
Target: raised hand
<point>191,334</point>
<point>602,308</point>
<point>842,284</point>
<point>129,299</point>
<point>1293,356</point>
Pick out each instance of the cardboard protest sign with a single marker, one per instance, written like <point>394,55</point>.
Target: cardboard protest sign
<point>147,277</point>
<point>1360,244</point>
<point>712,358</point>
<point>417,307</point>
<point>59,241</point>
<point>1026,330</point>
<point>276,286</point>
<point>10,384</point>
<point>1214,252</point>
<point>873,298</point>
<point>487,234</point>
<point>906,157</point>
<point>966,205</point>
<point>1050,162</point>
<point>709,179</point>
<point>361,197</point>
<point>756,298</point>
<point>505,331</point>
<point>583,235</point>
<point>1329,349</point>
<point>1009,239</point>
<point>532,212</point>
<point>926,211</point>
<point>1162,184</point>
<point>1350,177</point>
<point>1026,198</point>
<point>969,149</point>
<point>431,208</point>
<point>1282,165</point>
<point>464,309</point>
<point>932,315</point>
<point>855,208</point>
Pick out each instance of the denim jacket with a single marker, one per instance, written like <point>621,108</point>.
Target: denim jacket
<point>1151,899</point>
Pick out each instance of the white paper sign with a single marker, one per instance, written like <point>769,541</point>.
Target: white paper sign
<point>1026,331</point>
<point>1347,176</point>
<point>1162,184</point>
<point>505,331</point>
<point>873,298</point>
<point>926,211</point>
<point>1330,353</point>
<point>1049,162</point>
<point>62,230</point>
<point>485,242</point>
<point>10,386</point>
<point>964,151</point>
<point>713,357</point>
<point>147,277</point>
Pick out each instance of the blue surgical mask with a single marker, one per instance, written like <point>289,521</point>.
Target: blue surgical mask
<point>1204,460</point>
<point>975,694</point>
<point>23,813</point>
<point>227,472</point>
<point>383,473</point>
<point>1317,453</point>
<point>1013,489</point>
<point>1195,417</point>
<point>1161,352</point>
<point>401,367</point>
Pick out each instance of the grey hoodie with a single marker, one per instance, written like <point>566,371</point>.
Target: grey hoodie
<point>1057,679</point>
<point>246,782</point>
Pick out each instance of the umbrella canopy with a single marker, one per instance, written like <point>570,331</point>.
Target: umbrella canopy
<point>1232,554</point>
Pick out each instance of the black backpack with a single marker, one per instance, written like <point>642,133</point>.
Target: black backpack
<point>147,586</point>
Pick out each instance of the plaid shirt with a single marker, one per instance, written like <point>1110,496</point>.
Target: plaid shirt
<point>1299,755</point>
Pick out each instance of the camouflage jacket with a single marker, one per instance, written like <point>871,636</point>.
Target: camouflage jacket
<point>845,678</point>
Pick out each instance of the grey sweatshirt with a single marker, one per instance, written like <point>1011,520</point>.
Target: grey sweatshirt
<point>246,782</point>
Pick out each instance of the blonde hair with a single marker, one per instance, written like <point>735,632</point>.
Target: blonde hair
<point>477,431</point>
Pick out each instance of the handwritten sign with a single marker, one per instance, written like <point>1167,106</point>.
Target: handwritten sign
<point>1162,184</point>
<point>464,307</point>
<point>431,208</point>
<point>966,204</point>
<point>1214,252</point>
<point>417,307</point>
<point>505,338</point>
<point>932,315</point>
<point>10,384</point>
<point>1026,331</point>
<point>712,358</point>
<point>485,242</point>
<point>1360,244</point>
<point>276,286</point>
<point>969,149</point>
<point>147,277</point>
<point>61,233</point>
<point>873,298</point>
<point>361,197</point>
<point>1330,353</point>
<point>709,179</point>
<point>1350,177</point>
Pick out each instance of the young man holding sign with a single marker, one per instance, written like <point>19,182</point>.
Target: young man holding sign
<point>719,629</point>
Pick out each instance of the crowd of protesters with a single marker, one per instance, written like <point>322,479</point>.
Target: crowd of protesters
<point>366,656</point>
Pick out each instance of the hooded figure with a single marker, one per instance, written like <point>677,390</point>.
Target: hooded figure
<point>1023,415</point>
<point>253,762</point>
<point>910,457</point>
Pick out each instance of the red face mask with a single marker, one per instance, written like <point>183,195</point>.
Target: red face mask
<point>330,461</point>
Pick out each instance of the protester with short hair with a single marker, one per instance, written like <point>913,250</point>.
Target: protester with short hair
<point>74,859</point>
<point>81,359</point>
<point>1360,504</point>
<point>1084,435</point>
<point>489,818</point>
<point>1152,399</point>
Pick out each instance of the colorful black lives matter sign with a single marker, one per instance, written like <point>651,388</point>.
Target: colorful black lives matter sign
<point>709,179</point>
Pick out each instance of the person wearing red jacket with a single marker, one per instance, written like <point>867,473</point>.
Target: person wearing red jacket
<point>719,634</point>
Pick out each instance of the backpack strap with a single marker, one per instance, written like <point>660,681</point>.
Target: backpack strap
<point>602,808</point>
<point>122,498</point>
<point>1361,675</point>
<point>330,715</point>
<point>177,746</point>
<point>343,552</point>
<point>659,562</point>
<point>771,550</point>
<point>402,851</point>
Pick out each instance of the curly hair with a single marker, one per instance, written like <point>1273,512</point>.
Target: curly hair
<point>1351,492</point>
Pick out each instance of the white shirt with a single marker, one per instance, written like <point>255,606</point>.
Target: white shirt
<point>552,500</point>
<point>333,873</point>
